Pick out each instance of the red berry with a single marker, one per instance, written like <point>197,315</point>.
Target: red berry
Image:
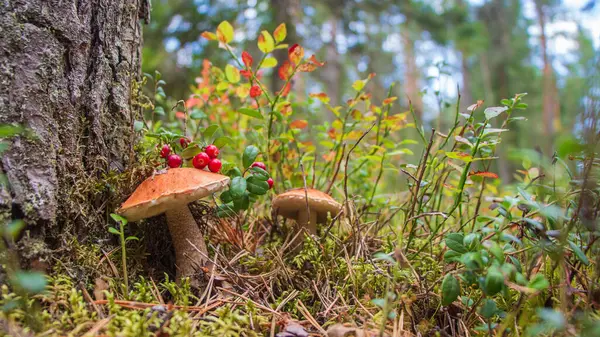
<point>212,151</point>
<point>174,161</point>
<point>259,164</point>
<point>201,160</point>
<point>215,165</point>
<point>164,152</point>
<point>270,182</point>
<point>184,142</point>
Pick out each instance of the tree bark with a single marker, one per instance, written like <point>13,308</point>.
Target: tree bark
<point>66,74</point>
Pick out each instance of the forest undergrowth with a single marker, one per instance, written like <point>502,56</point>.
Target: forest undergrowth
<point>429,240</point>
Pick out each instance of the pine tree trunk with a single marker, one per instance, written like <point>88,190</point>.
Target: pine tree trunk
<point>411,72</point>
<point>549,101</point>
<point>66,73</point>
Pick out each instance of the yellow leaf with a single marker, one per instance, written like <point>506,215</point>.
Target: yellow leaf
<point>265,42</point>
<point>232,73</point>
<point>242,91</point>
<point>225,32</point>
<point>280,33</point>
<point>358,85</point>
<point>269,62</point>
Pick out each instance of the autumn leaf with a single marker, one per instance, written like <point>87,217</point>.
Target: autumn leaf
<point>389,100</point>
<point>209,36</point>
<point>321,96</point>
<point>246,73</point>
<point>286,89</point>
<point>265,42</point>
<point>313,59</point>
<point>296,53</point>
<point>232,73</point>
<point>484,174</point>
<point>225,32</point>
<point>280,33</point>
<point>269,62</point>
<point>247,59</point>
<point>307,67</point>
<point>299,124</point>
<point>285,71</point>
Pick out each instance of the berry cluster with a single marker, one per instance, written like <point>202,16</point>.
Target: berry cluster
<point>208,158</point>
<point>200,161</point>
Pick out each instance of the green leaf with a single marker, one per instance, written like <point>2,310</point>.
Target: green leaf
<point>113,230</point>
<point>210,131</point>
<point>223,141</point>
<point>190,151</point>
<point>13,229</point>
<point>226,197</point>
<point>197,114</point>
<point>129,238</point>
<point>9,130</point>
<point>257,186</point>
<point>234,172</point>
<point>493,112</point>
<point>241,203</point>
<point>488,308</point>
<point>455,243</point>
<point>579,253</point>
<point>31,281</point>
<point>249,155</point>
<point>118,218</point>
<point>251,112</point>
<point>159,110</point>
<point>380,302</point>
<point>450,289</point>
<point>494,281</point>
<point>260,174</point>
<point>538,282</point>
<point>238,187</point>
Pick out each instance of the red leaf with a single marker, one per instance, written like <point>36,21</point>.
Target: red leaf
<point>296,53</point>
<point>246,73</point>
<point>285,71</point>
<point>313,59</point>
<point>255,91</point>
<point>286,89</point>
<point>484,174</point>
<point>247,58</point>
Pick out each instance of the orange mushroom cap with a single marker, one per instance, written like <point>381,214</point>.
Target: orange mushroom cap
<point>175,188</point>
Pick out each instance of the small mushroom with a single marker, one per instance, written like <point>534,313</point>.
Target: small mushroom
<point>170,193</point>
<point>292,205</point>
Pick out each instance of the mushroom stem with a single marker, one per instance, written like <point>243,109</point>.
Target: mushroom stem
<point>308,222</point>
<point>183,227</point>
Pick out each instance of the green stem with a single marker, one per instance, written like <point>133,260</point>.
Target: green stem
<point>123,255</point>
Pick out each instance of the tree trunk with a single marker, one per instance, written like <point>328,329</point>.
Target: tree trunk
<point>411,72</point>
<point>332,72</point>
<point>66,74</point>
<point>550,92</point>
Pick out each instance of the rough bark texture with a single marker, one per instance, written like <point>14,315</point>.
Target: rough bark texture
<point>66,71</point>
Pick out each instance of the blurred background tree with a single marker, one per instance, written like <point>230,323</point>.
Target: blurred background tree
<point>487,49</point>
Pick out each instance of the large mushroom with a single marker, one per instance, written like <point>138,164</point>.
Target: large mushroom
<point>170,193</point>
<point>292,205</point>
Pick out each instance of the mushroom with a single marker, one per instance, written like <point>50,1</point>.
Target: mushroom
<point>170,193</point>
<point>292,205</point>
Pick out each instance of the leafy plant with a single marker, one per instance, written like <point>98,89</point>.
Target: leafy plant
<point>123,241</point>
